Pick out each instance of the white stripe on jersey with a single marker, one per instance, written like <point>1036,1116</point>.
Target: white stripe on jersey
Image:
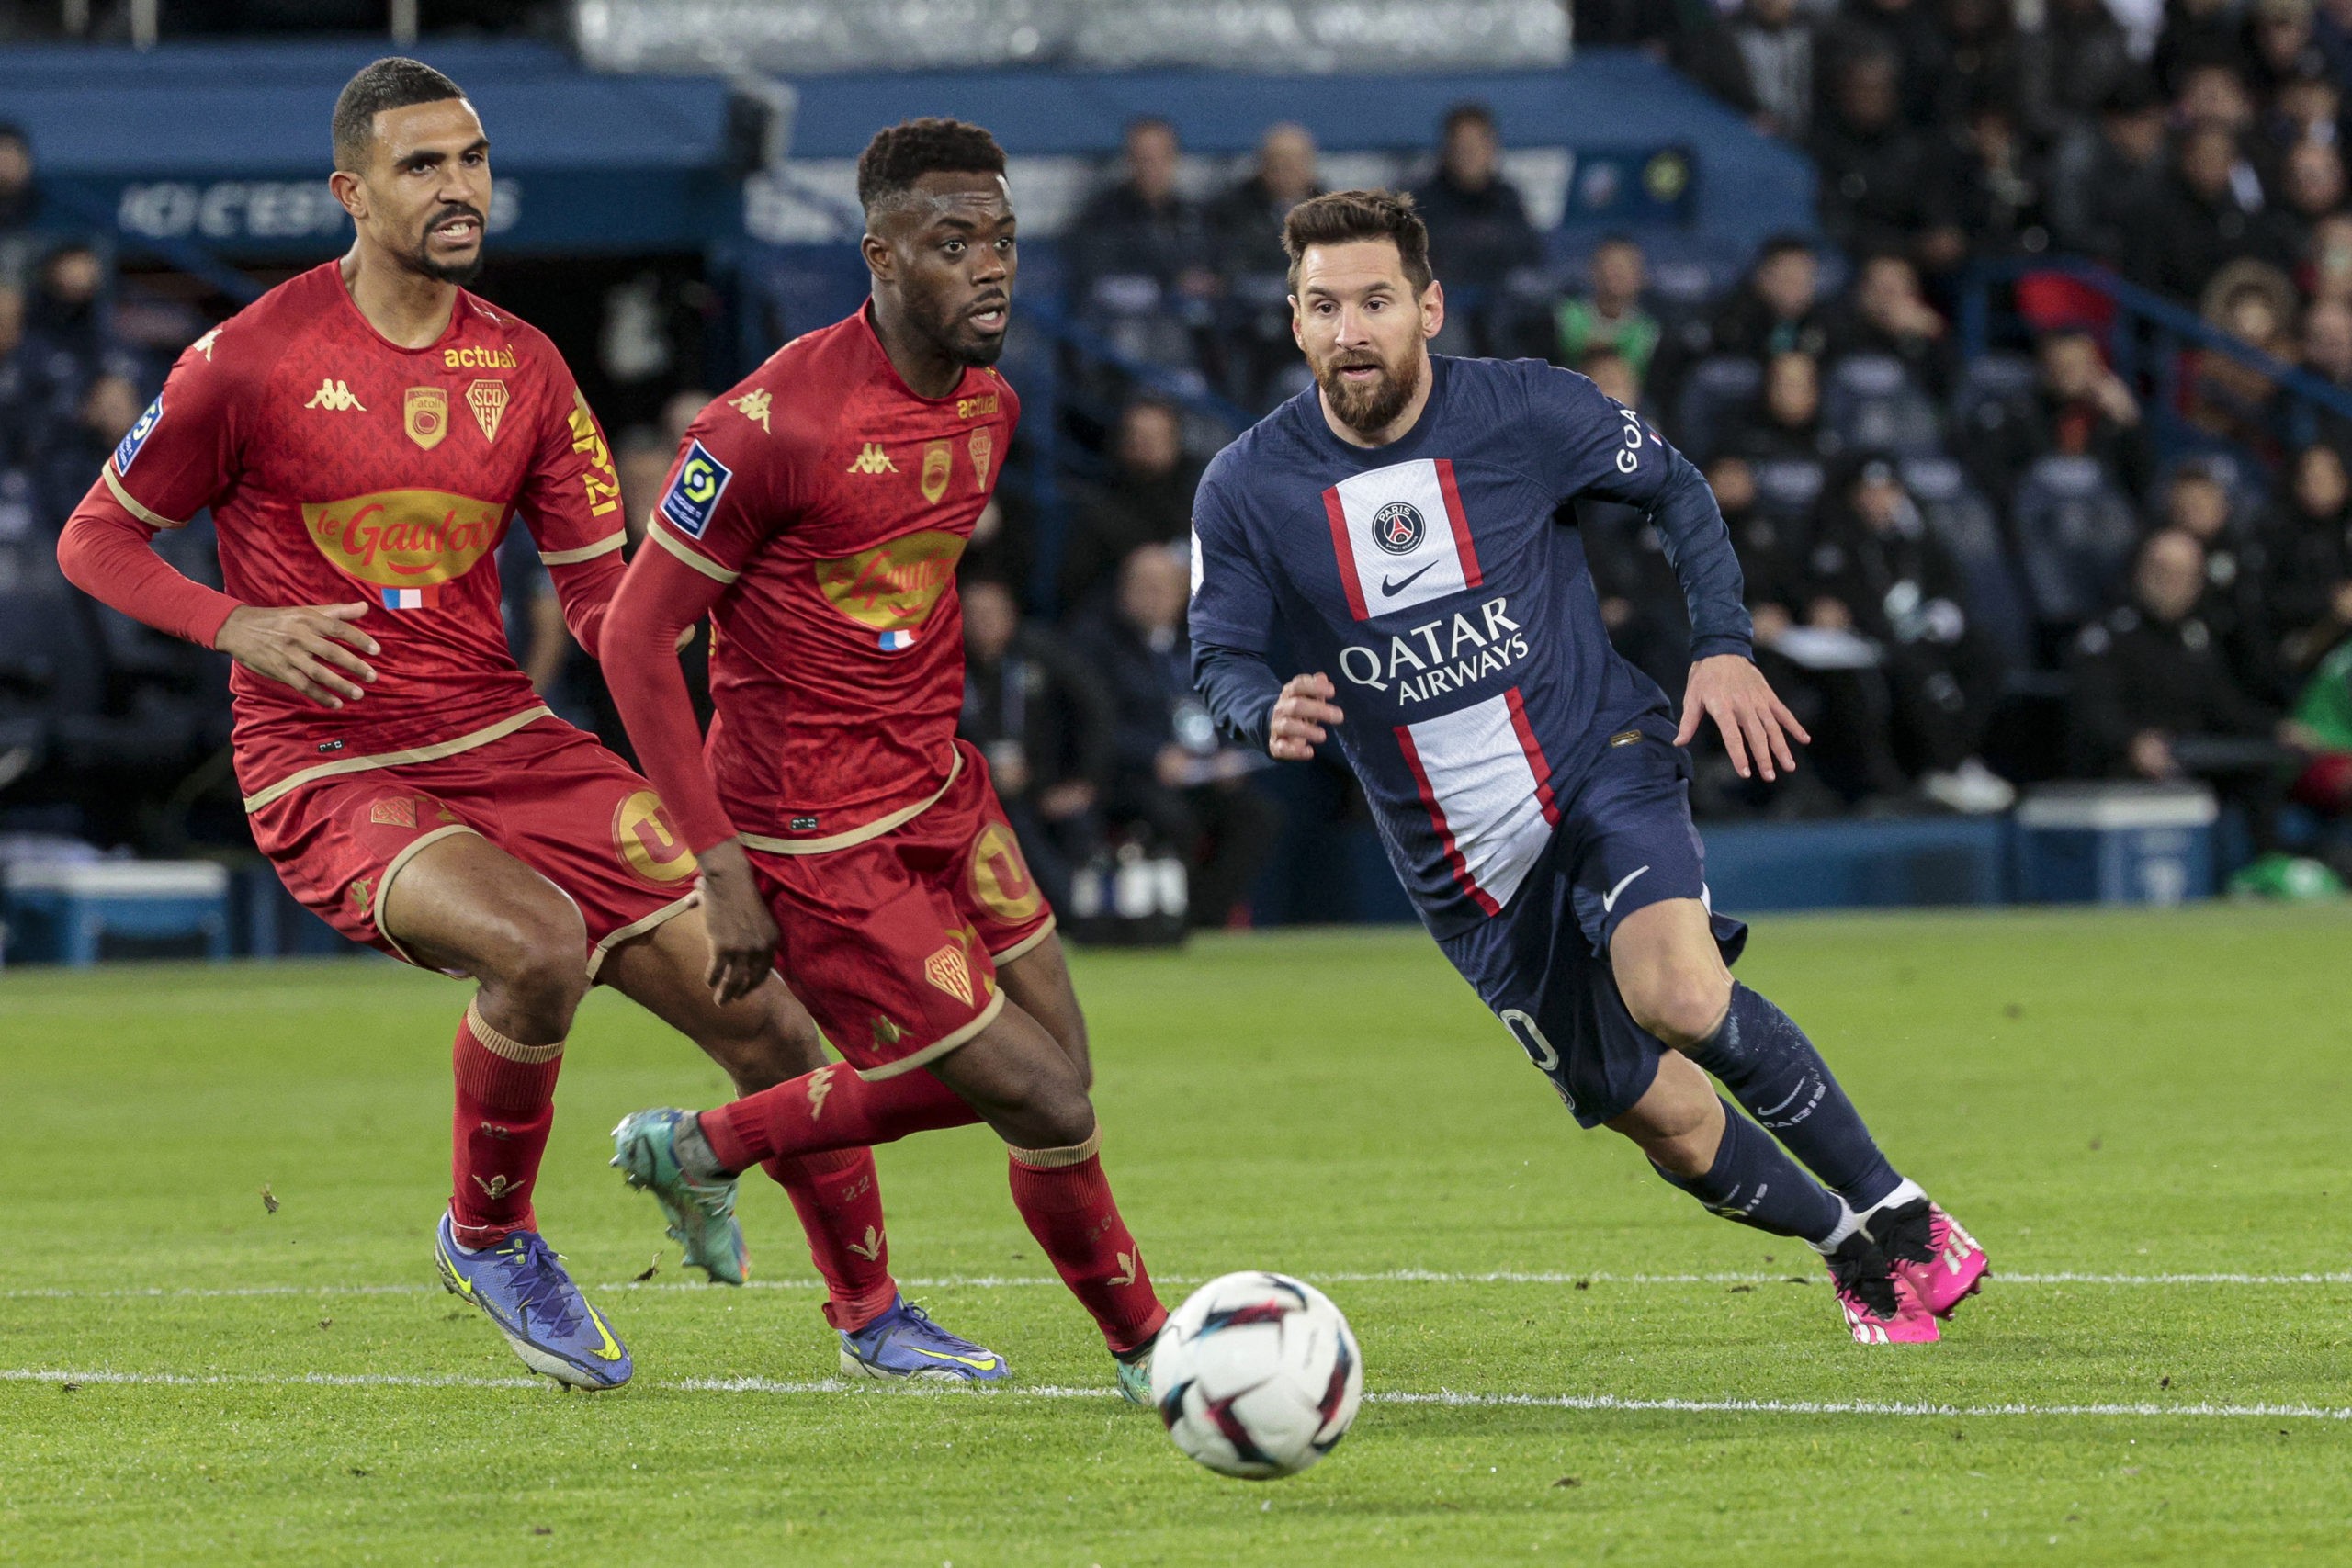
<point>1401,536</point>
<point>1485,784</point>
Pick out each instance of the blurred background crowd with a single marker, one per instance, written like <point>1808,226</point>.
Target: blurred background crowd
<point>2033,434</point>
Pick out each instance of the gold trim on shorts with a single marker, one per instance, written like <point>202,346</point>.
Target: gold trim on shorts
<point>1053,1159</point>
<point>603,547</point>
<point>506,1045</point>
<point>873,830</point>
<point>153,518</point>
<point>1025,944</point>
<point>693,558</point>
<point>399,863</point>
<point>661,916</point>
<point>432,752</point>
<point>937,1048</point>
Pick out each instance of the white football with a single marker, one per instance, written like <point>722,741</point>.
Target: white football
<point>1257,1375</point>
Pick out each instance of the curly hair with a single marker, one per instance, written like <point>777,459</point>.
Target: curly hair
<point>902,153</point>
<point>391,83</point>
<point>1344,215</point>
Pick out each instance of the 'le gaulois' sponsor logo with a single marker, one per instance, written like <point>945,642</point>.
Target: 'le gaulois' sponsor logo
<point>405,538</point>
<point>892,586</point>
<point>1440,656</point>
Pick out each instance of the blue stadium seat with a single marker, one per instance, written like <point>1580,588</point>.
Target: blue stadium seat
<point>2076,534</point>
<point>1964,520</point>
<point>1715,391</point>
<point>1787,489</point>
<point>1870,404</point>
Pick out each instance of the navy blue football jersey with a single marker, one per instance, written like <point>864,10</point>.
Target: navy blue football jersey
<point>1441,584</point>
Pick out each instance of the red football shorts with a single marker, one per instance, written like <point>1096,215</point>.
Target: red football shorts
<point>893,943</point>
<point>548,795</point>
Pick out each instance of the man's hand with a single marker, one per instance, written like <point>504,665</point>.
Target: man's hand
<point>2151,755</point>
<point>742,933</point>
<point>1756,724</point>
<point>307,647</point>
<point>1300,714</point>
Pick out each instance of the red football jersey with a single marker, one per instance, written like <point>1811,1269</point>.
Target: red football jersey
<point>341,467</point>
<point>835,503</point>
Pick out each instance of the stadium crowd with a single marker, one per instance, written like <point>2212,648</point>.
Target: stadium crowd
<point>1968,570</point>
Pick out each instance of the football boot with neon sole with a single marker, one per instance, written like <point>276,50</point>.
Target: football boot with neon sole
<point>904,1345</point>
<point>1135,1374</point>
<point>522,1287</point>
<point>1940,1262</point>
<point>701,1214</point>
<point>1880,1305</point>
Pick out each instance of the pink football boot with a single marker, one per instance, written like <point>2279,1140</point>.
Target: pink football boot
<point>1881,1307</point>
<point>1940,1262</point>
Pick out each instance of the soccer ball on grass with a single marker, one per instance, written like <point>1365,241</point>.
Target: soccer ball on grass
<point>1257,1375</point>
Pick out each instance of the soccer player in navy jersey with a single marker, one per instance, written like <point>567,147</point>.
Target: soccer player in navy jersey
<point>1403,524</point>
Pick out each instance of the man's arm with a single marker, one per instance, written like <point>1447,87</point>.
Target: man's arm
<point>1240,689</point>
<point>571,500</point>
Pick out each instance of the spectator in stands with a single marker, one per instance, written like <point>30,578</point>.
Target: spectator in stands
<point>22,406</point>
<point>71,451</point>
<point>2077,63</point>
<point>2255,303</point>
<point>1613,374</point>
<point>1171,773</point>
<point>18,202</point>
<point>2198,33</point>
<point>1906,34</point>
<point>2237,574</point>
<point>66,315</point>
<point>2151,689</point>
<point>1045,724</point>
<point>2326,272</point>
<point>2196,219</point>
<point>1777,310</point>
<point>1147,500</point>
<point>2327,353</point>
<point>1888,314</point>
<point>1142,226</point>
<point>2309,536</point>
<point>2332,31</point>
<point>2310,186</point>
<point>2099,174</point>
<point>1479,233</point>
<point>1777,43</point>
<point>1878,570</point>
<point>642,459</point>
<point>1246,222</point>
<point>2002,197</point>
<point>1689,37</point>
<point>2083,408</point>
<point>1785,424</point>
<point>1609,314</point>
<point>1883,181</point>
<point>2281,45</point>
<point>2308,107</point>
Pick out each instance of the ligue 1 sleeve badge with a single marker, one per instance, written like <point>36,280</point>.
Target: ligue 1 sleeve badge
<point>424,415</point>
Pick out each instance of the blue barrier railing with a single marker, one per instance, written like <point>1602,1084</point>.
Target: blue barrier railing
<point>2148,346</point>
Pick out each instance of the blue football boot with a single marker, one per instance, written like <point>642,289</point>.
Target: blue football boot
<point>522,1288</point>
<point>904,1344</point>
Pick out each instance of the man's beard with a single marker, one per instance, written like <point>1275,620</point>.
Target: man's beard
<point>421,260</point>
<point>1368,410</point>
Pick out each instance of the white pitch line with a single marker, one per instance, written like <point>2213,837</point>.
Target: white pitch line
<point>1379,1277</point>
<point>1596,1403</point>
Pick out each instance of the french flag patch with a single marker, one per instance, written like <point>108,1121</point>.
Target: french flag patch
<point>893,642</point>
<point>407,598</point>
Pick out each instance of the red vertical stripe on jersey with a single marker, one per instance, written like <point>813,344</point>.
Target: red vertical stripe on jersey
<point>1461,867</point>
<point>1535,763</point>
<point>1336,511</point>
<point>1460,522</point>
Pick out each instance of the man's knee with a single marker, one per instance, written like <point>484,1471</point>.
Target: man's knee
<point>1682,1004</point>
<point>535,962</point>
<point>768,1038</point>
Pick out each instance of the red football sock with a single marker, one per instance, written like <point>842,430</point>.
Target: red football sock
<point>839,1204</point>
<point>831,1108</point>
<point>505,1105</point>
<point>1065,1198</point>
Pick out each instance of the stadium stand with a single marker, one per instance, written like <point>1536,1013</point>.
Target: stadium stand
<point>1948,295</point>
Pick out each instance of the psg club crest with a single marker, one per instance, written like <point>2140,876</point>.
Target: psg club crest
<point>424,415</point>
<point>1399,529</point>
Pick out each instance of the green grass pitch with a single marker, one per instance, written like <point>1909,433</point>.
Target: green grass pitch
<point>2142,1116</point>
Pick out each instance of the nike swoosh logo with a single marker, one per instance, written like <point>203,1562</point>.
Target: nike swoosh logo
<point>465,1286</point>
<point>978,1363</point>
<point>1609,899</point>
<point>1393,586</point>
<point>610,1350</point>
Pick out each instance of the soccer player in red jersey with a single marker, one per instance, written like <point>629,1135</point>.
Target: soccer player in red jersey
<point>365,433</point>
<point>844,833</point>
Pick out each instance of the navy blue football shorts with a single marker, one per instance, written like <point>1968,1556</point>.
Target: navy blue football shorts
<point>1624,842</point>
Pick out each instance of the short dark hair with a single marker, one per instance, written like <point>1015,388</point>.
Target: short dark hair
<point>1340,216</point>
<point>902,153</point>
<point>1148,122</point>
<point>391,83</point>
<point>1780,244</point>
<point>1470,111</point>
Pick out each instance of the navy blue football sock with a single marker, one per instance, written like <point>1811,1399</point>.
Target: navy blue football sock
<point>1772,1069</point>
<point>1754,1181</point>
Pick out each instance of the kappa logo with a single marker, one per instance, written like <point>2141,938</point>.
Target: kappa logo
<point>203,345</point>
<point>872,1250</point>
<point>872,459</point>
<point>754,406</point>
<point>886,1033</point>
<point>821,1084</point>
<point>359,893</point>
<point>335,398</point>
<point>1130,1265</point>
